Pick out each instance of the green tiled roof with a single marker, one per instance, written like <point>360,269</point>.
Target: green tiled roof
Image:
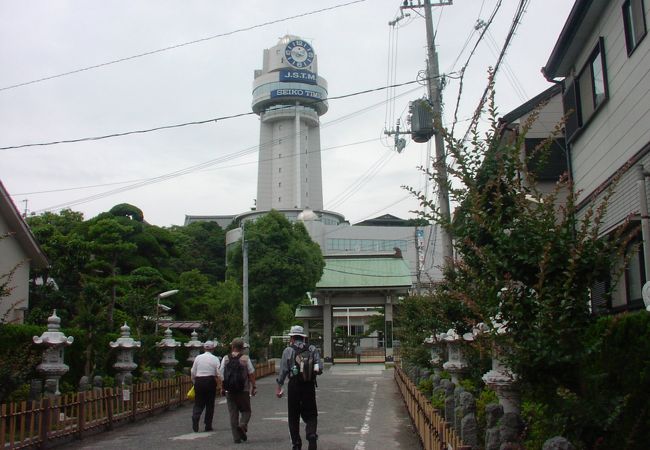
<point>365,272</point>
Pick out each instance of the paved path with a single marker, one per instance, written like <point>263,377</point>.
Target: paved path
<point>359,408</point>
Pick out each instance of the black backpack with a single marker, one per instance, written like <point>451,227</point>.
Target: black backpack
<point>303,364</point>
<point>234,374</point>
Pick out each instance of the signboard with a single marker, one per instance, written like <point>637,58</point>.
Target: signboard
<point>296,93</point>
<point>301,76</point>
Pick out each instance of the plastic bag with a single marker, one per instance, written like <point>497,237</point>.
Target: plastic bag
<point>191,394</point>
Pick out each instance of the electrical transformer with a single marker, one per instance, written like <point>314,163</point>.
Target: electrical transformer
<point>421,119</point>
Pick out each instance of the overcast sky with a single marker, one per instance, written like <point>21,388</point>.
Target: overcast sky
<point>362,173</point>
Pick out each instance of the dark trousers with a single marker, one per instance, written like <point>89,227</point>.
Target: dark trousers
<point>301,398</point>
<point>205,389</point>
<point>239,402</point>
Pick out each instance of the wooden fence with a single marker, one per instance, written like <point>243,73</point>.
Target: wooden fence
<point>30,424</point>
<point>435,433</point>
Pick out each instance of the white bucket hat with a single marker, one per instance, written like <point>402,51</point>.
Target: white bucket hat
<point>297,330</point>
<point>208,345</point>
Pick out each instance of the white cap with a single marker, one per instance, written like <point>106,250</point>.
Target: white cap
<point>297,330</point>
<point>208,345</point>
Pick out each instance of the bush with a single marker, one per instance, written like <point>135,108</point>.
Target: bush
<point>438,400</point>
<point>426,386</point>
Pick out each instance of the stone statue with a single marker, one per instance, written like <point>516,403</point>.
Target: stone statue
<point>35,389</point>
<point>510,430</point>
<point>558,443</point>
<point>98,383</point>
<point>50,388</point>
<point>84,384</point>
<point>468,422</point>
<point>449,388</point>
<point>458,413</point>
<point>493,413</point>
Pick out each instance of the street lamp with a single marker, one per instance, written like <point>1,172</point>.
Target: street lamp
<point>158,305</point>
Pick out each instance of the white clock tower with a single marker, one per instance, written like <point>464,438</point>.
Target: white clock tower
<point>289,97</point>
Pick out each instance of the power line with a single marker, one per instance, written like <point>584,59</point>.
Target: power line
<point>76,188</point>
<point>185,124</point>
<point>181,172</point>
<point>516,21</point>
<point>184,44</point>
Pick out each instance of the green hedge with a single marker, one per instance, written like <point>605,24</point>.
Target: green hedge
<point>617,381</point>
<point>609,409</point>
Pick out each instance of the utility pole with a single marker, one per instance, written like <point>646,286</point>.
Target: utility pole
<point>435,97</point>
<point>245,284</point>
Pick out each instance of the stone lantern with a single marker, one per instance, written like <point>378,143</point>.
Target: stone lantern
<point>456,363</point>
<point>437,347</point>
<point>195,347</point>
<point>53,367</point>
<point>168,360</point>
<point>125,346</point>
<point>500,379</point>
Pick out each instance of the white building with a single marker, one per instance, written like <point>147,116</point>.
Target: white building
<point>290,96</point>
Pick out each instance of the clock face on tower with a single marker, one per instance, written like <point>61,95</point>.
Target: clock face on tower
<point>299,53</point>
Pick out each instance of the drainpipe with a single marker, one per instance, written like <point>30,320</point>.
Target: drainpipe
<point>645,220</point>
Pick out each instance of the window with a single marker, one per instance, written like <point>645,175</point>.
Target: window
<point>587,92</point>
<point>634,23</point>
<point>547,164</point>
<point>279,183</point>
<point>279,169</point>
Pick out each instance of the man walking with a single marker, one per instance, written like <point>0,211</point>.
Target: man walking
<point>204,377</point>
<point>301,363</point>
<point>238,385</point>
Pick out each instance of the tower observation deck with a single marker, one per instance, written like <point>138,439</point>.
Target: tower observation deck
<point>289,97</point>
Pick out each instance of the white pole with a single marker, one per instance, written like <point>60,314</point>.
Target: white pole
<point>245,286</point>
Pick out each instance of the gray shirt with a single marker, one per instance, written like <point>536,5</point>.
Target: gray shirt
<point>288,356</point>
<point>243,360</point>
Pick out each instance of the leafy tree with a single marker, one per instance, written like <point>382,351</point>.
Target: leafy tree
<point>526,260</point>
<point>127,210</point>
<point>139,299</point>
<point>201,246</point>
<point>283,264</point>
<point>109,244</point>
<point>61,238</point>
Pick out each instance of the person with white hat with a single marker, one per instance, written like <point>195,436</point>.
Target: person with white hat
<point>204,373</point>
<point>301,363</point>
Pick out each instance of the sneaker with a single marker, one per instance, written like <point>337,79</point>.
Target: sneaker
<point>209,429</point>
<point>242,433</point>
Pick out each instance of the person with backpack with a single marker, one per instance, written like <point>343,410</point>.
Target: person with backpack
<point>204,373</point>
<point>301,363</point>
<point>238,384</point>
